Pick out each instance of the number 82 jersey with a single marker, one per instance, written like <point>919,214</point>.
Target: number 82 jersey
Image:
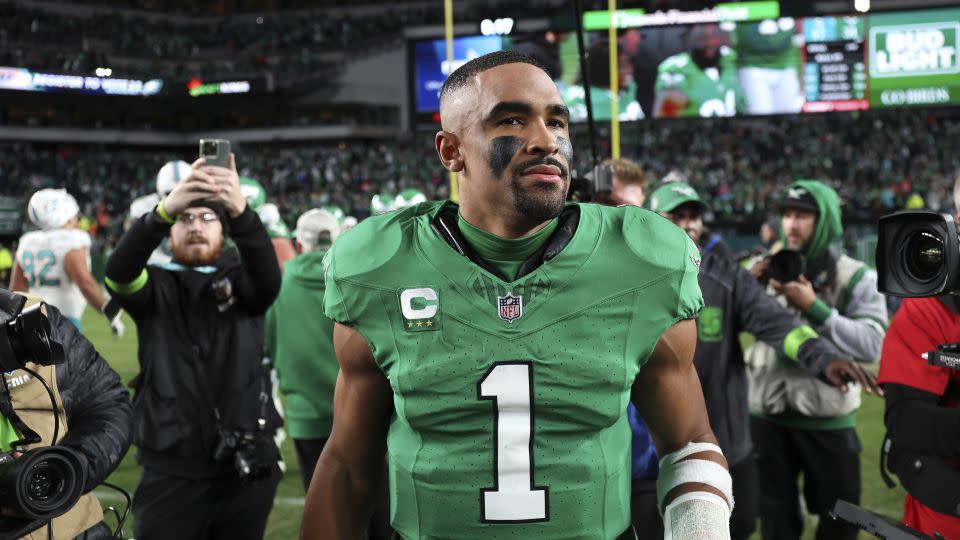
<point>40,255</point>
<point>511,397</point>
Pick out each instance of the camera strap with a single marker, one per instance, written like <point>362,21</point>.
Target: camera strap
<point>264,397</point>
<point>27,435</point>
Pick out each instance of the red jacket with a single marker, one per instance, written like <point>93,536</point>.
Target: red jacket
<point>918,327</point>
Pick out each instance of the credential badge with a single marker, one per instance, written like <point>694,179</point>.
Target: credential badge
<point>510,307</point>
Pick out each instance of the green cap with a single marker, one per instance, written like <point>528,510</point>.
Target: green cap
<point>253,192</point>
<point>381,203</point>
<point>408,198</point>
<point>669,196</point>
<point>336,212</point>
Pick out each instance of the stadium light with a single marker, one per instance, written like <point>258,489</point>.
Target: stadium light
<point>862,6</point>
<point>103,72</point>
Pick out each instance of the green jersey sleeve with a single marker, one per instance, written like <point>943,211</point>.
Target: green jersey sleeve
<point>690,299</point>
<point>333,304</point>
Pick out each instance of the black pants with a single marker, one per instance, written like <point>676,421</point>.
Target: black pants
<point>308,453</point>
<point>830,463</point>
<point>646,519</point>
<point>220,508</point>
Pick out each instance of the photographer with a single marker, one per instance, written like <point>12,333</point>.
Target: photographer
<point>734,303</point>
<point>205,422</point>
<point>922,418</point>
<point>94,416</point>
<point>801,424</point>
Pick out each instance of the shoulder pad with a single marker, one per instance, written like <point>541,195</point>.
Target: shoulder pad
<point>375,241</point>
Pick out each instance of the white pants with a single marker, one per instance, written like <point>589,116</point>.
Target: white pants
<point>771,91</point>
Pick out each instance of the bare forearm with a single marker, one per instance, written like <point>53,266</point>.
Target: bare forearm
<point>92,292</point>
<point>18,281</point>
<point>339,502</point>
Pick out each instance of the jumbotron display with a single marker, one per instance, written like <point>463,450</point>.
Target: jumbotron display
<point>772,66</point>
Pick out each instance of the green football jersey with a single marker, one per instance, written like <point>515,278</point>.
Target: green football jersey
<point>767,44</point>
<point>601,101</point>
<point>511,397</point>
<point>707,95</point>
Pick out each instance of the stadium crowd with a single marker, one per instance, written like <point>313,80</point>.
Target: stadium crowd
<point>889,160</point>
<point>751,417</point>
<point>287,44</point>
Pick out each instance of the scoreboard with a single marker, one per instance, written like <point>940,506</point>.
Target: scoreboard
<point>834,64</point>
<point>775,65</point>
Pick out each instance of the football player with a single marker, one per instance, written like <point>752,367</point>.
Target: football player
<point>769,64</point>
<point>702,81</point>
<point>54,262</point>
<point>490,348</point>
<point>256,196</point>
<point>169,176</point>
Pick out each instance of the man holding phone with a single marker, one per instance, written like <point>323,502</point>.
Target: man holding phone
<point>204,420</point>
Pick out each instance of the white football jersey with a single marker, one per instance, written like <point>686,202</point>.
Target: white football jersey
<point>141,206</point>
<point>40,255</point>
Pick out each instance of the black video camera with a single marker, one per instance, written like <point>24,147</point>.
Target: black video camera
<point>785,265</point>
<point>918,254</point>
<point>593,186</point>
<point>247,449</point>
<point>25,335</point>
<point>40,484</point>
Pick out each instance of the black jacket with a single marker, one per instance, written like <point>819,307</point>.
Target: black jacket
<point>200,332</point>
<point>735,302</point>
<point>97,406</point>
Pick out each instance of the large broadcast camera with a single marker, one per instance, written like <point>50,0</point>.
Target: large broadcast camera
<point>40,484</point>
<point>918,254</point>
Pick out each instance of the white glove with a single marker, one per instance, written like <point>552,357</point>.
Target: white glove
<point>112,313</point>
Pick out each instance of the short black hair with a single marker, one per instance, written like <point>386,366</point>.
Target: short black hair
<point>460,77</point>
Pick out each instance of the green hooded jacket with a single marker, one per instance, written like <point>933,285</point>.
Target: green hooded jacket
<point>300,341</point>
<point>829,229</point>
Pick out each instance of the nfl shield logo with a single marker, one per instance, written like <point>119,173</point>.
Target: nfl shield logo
<point>510,307</point>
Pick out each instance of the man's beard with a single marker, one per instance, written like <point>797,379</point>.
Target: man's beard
<point>701,59</point>
<point>541,201</point>
<point>192,255</point>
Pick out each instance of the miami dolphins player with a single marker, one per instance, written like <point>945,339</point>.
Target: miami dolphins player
<point>169,176</point>
<point>701,81</point>
<point>490,349</point>
<point>54,262</point>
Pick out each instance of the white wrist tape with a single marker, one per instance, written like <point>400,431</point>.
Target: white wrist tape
<point>697,516</point>
<point>675,470</point>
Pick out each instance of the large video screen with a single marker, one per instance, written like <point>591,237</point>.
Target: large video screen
<point>913,58</point>
<point>771,66</point>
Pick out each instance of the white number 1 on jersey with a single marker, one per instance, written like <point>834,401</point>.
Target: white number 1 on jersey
<point>513,497</point>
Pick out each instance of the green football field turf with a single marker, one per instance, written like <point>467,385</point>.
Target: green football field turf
<point>284,520</point>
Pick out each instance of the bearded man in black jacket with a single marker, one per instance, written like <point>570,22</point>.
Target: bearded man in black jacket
<point>205,421</point>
